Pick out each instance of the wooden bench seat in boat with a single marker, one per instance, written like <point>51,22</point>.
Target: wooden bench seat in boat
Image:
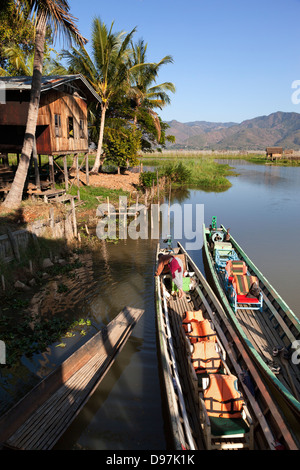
<point>228,426</point>
<point>225,413</point>
<point>222,246</point>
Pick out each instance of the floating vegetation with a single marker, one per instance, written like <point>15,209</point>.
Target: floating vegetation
<point>28,336</point>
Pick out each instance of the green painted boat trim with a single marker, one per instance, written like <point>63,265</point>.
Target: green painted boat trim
<point>289,397</point>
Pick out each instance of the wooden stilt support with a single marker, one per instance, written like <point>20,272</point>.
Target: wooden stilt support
<point>77,170</point>
<point>74,217</point>
<point>36,166</point>
<point>66,173</point>
<point>87,170</point>
<point>51,171</point>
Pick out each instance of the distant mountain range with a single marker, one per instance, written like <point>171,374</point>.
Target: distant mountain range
<point>276,130</point>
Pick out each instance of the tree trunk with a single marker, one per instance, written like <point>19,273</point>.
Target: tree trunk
<point>14,196</point>
<point>97,163</point>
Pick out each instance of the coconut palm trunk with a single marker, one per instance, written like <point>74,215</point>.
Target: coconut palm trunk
<point>14,196</point>
<point>98,162</point>
<point>57,13</point>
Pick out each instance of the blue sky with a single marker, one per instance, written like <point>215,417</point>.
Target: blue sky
<point>233,59</point>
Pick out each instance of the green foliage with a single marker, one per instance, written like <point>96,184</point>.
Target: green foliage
<point>121,146</point>
<point>17,42</point>
<point>147,178</point>
<point>177,172</point>
<point>14,29</point>
<point>27,336</point>
<point>196,170</point>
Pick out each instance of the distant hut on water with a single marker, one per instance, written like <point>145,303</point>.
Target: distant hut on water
<point>273,153</point>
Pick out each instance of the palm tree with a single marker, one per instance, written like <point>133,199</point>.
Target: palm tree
<point>21,63</point>
<point>56,13</point>
<point>144,92</point>
<point>106,71</point>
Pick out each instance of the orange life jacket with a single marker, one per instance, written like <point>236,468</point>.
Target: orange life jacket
<point>205,358</point>
<point>201,331</point>
<point>191,316</point>
<point>221,398</point>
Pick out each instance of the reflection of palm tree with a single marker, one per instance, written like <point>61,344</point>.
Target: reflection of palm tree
<point>56,13</point>
<point>144,93</point>
<point>106,71</point>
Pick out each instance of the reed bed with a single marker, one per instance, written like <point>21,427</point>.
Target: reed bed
<point>201,171</point>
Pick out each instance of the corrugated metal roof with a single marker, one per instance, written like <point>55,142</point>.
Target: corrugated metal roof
<point>48,82</point>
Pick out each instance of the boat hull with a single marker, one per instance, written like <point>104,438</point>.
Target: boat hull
<point>273,305</point>
<point>41,417</point>
<point>269,424</point>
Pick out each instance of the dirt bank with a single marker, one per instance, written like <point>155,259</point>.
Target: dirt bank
<point>127,182</point>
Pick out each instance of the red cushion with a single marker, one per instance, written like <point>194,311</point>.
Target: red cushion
<point>246,300</point>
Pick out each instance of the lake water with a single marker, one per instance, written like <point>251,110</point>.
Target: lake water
<point>262,210</point>
<point>127,410</point>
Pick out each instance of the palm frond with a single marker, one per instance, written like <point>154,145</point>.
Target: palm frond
<point>58,16</point>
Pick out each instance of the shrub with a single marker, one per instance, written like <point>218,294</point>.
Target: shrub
<point>177,173</point>
<point>147,178</point>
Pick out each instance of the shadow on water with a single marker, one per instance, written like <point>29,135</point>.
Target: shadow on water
<point>125,412</point>
<point>113,276</point>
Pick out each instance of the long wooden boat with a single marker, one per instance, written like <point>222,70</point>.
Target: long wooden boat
<point>42,416</point>
<point>266,325</point>
<point>191,366</point>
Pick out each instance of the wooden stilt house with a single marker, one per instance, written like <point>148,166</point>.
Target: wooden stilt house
<point>62,118</point>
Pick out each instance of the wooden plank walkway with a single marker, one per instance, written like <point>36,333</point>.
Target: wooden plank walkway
<point>46,424</point>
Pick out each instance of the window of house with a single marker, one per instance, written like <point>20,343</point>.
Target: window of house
<point>81,128</point>
<point>57,124</point>
<point>70,127</point>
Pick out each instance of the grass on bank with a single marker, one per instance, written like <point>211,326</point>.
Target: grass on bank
<point>92,196</point>
<point>199,172</point>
